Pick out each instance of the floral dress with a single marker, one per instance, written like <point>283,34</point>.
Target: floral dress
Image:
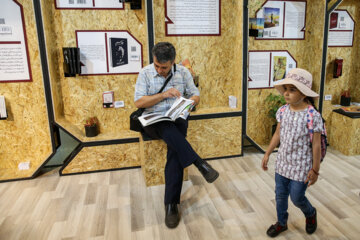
<point>294,159</point>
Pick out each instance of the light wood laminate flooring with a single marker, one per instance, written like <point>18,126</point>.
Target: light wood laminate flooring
<point>238,205</point>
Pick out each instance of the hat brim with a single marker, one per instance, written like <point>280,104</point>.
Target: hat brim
<point>301,87</point>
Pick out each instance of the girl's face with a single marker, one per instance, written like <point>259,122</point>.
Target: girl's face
<point>292,95</point>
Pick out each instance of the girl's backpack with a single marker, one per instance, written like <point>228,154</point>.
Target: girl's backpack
<point>310,125</point>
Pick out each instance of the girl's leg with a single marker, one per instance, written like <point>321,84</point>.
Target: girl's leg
<point>282,196</point>
<point>297,195</point>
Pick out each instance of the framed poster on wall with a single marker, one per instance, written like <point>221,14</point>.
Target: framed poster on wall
<point>341,29</point>
<point>267,67</point>
<point>89,4</point>
<point>193,18</point>
<point>14,54</point>
<point>109,52</point>
<point>283,19</point>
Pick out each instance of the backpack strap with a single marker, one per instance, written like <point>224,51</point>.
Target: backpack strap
<point>282,110</point>
<point>310,121</point>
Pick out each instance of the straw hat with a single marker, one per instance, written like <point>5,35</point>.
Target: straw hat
<point>301,79</point>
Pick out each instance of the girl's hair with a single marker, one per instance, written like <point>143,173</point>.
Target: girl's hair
<point>311,101</point>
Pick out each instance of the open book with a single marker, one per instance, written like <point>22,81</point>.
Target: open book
<point>180,108</point>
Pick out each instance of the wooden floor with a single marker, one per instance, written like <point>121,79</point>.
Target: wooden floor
<point>239,205</point>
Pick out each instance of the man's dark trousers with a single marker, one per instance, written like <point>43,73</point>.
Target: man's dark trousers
<point>180,154</point>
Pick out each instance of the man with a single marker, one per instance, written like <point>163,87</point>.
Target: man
<point>179,152</point>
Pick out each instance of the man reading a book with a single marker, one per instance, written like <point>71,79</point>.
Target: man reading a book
<point>180,154</point>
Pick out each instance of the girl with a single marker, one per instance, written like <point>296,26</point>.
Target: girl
<point>298,161</point>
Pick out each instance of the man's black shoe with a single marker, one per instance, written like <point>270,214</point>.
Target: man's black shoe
<point>275,230</point>
<point>207,171</point>
<point>172,216</point>
<point>311,224</point>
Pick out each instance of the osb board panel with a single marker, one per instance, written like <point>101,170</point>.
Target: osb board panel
<point>331,3</point>
<point>216,59</point>
<point>54,56</point>
<point>345,134</point>
<point>80,133</point>
<point>259,123</point>
<point>25,134</point>
<point>76,98</point>
<point>351,67</point>
<point>307,53</point>
<point>153,164</point>
<point>354,5</point>
<point>104,158</point>
<point>216,137</point>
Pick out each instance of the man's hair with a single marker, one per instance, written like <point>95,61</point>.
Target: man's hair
<point>164,51</point>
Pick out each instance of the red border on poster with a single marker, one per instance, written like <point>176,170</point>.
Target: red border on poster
<point>168,21</point>
<point>352,44</point>
<point>270,51</point>
<point>93,8</point>
<point>107,62</point>
<point>283,33</point>
<point>19,42</point>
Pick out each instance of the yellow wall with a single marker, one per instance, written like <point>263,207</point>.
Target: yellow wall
<point>345,135</point>
<point>25,134</point>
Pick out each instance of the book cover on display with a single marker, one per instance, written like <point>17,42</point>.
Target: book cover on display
<point>279,68</point>
<point>272,17</point>
<point>334,20</point>
<point>119,52</point>
<point>256,27</point>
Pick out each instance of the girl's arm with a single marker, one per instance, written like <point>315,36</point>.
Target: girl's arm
<point>275,140</point>
<point>316,152</point>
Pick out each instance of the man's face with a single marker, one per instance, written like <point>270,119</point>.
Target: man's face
<point>163,69</point>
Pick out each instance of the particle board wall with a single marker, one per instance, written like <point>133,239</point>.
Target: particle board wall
<point>307,53</point>
<point>25,135</point>
<point>76,98</point>
<point>356,78</point>
<point>216,59</point>
<point>104,158</point>
<point>345,135</point>
<point>218,137</point>
<point>351,67</point>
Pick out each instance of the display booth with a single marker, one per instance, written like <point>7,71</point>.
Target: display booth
<point>92,54</point>
<point>80,60</point>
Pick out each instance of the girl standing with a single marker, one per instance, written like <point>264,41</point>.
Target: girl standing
<point>298,160</point>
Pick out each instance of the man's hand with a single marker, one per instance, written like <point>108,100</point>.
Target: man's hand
<point>264,162</point>
<point>311,178</point>
<point>171,93</point>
